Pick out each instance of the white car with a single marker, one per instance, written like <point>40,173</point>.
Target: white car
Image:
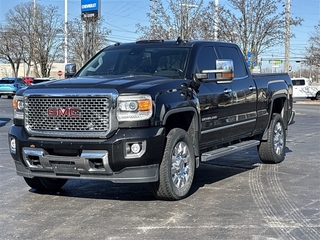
<point>302,88</point>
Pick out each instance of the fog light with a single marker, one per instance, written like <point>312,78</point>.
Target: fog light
<point>13,145</point>
<point>135,148</point>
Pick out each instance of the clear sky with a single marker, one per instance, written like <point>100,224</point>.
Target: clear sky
<point>122,16</point>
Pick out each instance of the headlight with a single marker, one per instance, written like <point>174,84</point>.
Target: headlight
<point>18,107</point>
<point>134,108</point>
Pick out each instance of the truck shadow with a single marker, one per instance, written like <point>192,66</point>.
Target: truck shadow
<point>207,174</point>
<point>4,121</point>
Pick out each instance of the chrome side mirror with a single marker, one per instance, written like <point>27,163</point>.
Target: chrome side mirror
<point>224,72</point>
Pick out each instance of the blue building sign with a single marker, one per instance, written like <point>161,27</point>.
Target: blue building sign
<point>90,6</point>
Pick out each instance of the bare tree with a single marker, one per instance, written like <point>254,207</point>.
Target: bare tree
<point>10,49</point>
<point>255,25</point>
<point>48,38</point>
<point>85,39</point>
<point>313,48</point>
<point>313,53</point>
<point>35,34</point>
<point>172,19</point>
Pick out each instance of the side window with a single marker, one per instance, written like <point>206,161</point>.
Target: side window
<point>233,54</point>
<point>298,82</point>
<point>206,59</point>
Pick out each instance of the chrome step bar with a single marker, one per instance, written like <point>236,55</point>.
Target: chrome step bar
<point>207,156</point>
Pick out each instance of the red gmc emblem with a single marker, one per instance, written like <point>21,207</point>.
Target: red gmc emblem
<point>70,112</point>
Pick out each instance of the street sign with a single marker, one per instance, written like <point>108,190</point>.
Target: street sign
<point>59,73</point>
<point>275,62</point>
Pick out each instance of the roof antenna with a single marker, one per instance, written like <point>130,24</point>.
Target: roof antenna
<point>179,40</point>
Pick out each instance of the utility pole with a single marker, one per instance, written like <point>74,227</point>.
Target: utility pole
<point>216,7</point>
<point>287,43</point>
<point>34,35</point>
<point>65,32</point>
<point>185,31</point>
<point>153,18</point>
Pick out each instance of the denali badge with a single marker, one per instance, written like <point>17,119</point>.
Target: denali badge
<point>70,112</point>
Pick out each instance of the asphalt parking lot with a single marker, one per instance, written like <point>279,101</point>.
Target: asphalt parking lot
<point>233,197</point>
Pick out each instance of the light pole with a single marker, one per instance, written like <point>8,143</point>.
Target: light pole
<point>185,34</point>
<point>34,34</point>
<point>216,7</point>
<point>287,44</point>
<point>65,32</point>
<point>153,16</point>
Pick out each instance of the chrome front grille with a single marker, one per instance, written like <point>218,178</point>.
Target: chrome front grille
<point>68,116</point>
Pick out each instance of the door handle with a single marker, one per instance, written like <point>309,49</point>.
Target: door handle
<point>252,88</point>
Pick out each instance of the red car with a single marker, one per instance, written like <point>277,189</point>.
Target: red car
<point>28,80</point>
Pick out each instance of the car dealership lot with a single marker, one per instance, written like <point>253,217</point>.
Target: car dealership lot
<point>234,197</point>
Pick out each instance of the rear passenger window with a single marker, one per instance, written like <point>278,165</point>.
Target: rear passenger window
<point>233,54</point>
<point>298,82</point>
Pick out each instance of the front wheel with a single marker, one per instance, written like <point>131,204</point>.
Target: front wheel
<point>317,96</point>
<point>45,184</point>
<point>272,150</point>
<point>177,167</point>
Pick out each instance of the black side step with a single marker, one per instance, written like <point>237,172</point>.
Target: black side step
<point>228,150</point>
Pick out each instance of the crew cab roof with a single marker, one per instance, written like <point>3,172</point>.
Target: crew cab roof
<point>184,43</point>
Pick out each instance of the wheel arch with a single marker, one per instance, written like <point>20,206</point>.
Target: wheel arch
<point>279,104</point>
<point>186,118</point>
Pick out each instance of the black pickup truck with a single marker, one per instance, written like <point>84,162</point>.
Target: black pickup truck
<point>149,111</point>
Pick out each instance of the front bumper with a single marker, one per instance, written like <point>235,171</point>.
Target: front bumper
<point>7,93</point>
<point>100,159</point>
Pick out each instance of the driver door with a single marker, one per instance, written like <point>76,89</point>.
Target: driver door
<point>215,103</point>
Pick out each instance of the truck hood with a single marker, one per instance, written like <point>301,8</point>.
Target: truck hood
<point>123,84</point>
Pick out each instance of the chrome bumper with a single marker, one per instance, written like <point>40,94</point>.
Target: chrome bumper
<point>91,164</point>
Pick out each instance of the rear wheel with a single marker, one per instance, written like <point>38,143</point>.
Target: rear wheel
<point>273,150</point>
<point>177,167</point>
<point>318,96</point>
<point>45,184</point>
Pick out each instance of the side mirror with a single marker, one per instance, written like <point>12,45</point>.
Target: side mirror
<point>224,72</point>
<point>70,70</point>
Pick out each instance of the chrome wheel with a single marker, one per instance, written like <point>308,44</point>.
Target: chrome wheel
<point>176,171</point>
<point>273,149</point>
<point>278,139</point>
<point>180,168</point>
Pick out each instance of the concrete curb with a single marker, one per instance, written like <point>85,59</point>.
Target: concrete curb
<point>314,102</point>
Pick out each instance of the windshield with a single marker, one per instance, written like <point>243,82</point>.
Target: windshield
<point>167,62</point>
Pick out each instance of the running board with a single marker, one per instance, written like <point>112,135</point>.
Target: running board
<point>207,156</point>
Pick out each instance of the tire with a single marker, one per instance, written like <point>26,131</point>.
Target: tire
<point>177,168</point>
<point>273,150</point>
<point>45,184</point>
<point>317,96</point>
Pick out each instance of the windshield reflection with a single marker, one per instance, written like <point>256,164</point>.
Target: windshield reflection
<point>167,62</point>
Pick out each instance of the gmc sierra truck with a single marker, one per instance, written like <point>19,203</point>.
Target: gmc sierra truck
<point>149,111</point>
